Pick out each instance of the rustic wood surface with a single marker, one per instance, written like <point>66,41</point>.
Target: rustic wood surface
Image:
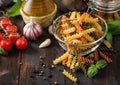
<point>24,67</point>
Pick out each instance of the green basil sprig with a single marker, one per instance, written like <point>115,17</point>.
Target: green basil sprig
<point>113,29</point>
<point>15,9</point>
<point>93,69</point>
<point>101,64</point>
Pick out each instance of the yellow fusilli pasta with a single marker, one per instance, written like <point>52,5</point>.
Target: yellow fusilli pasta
<point>74,36</point>
<point>70,30</point>
<point>91,20</point>
<point>70,76</point>
<point>107,44</point>
<point>90,30</point>
<point>89,38</point>
<point>65,25</point>
<point>61,58</point>
<point>69,60</point>
<point>76,42</point>
<point>76,66</point>
<point>98,27</point>
<point>83,67</point>
<point>73,63</point>
<point>78,16</point>
<point>73,16</point>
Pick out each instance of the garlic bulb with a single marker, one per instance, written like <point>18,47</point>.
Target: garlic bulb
<point>32,31</point>
<point>46,43</point>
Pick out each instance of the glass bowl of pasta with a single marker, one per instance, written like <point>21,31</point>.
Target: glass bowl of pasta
<point>79,33</point>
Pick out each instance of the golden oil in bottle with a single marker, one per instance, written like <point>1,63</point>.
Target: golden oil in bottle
<point>38,7</point>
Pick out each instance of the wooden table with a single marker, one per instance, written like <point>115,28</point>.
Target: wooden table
<point>24,67</point>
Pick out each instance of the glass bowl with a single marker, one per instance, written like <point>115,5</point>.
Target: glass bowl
<point>71,40</point>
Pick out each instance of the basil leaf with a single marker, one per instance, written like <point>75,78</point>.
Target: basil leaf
<point>92,71</point>
<point>109,37</point>
<point>3,52</point>
<point>114,27</point>
<point>101,64</point>
<point>15,9</point>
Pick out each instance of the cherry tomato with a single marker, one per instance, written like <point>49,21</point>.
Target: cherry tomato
<point>21,43</point>
<point>6,44</point>
<point>11,29</point>
<point>2,36</point>
<point>14,37</point>
<point>5,22</point>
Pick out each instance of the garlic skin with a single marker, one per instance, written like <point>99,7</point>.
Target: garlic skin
<point>32,31</point>
<point>46,43</point>
<point>50,29</point>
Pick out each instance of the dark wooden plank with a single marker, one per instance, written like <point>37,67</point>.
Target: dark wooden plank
<point>32,56</point>
<point>9,68</point>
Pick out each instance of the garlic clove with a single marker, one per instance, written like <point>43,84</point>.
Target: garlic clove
<point>50,29</point>
<point>46,43</point>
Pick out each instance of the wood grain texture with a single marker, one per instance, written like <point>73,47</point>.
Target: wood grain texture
<point>25,67</point>
<point>9,67</point>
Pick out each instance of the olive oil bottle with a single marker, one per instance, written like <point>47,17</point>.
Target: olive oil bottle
<point>41,11</point>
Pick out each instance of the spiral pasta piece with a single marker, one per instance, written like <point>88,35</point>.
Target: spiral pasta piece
<point>76,41</point>
<point>116,15</point>
<point>105,57</point>
<point>83,39</point>
<point>61,58</point>
<point>91,56</point>
<point>73,63</point>
<point>83,17</point>
<point>78,27</point>
<point>91,20</point>
<point>64,61</point>
<point>78,16</point>
<point>107,44</point>
<point>70,76</point>
<point>110,18</point>
<point>73,16</point>
<point>74,36</point>
<point>77,66</point>
<point>96,55</point>
<point>64,19</point>
<point>65,26</point>
<point>88,31</point>
<point>70,30</point>
<point>98,27</point>
<point>89,38</point>
<point>69,60</point>
<point>83,67</point>
<point>87,60</point>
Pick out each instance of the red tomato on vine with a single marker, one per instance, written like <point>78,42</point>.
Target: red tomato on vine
<point>21,43</point>
<point>5,22</point>
<point>14,37</point>
<point>6,44</point>
<point>11,29</point>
